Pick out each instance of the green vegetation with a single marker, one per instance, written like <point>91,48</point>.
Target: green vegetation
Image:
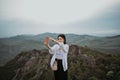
<point>84,64</point>
<point>10,47</point>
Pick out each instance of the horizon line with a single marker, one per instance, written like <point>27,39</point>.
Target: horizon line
<point>97,35</point>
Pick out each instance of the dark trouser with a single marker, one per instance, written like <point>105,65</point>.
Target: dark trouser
<point>60,74</point>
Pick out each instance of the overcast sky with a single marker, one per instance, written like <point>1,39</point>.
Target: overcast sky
<point>57,16</point>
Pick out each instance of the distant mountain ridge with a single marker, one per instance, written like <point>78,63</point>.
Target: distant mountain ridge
<point>10,47</point>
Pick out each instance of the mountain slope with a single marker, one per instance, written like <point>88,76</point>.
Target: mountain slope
<point>10,47</point>
<point>84,64</point>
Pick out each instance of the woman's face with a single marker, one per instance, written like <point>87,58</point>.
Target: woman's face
<point>60,39</point>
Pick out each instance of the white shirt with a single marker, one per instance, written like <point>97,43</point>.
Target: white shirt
<point>60,51</point>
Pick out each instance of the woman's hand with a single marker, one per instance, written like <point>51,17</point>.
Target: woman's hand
<point>52,39</point>
<point>46,42</point>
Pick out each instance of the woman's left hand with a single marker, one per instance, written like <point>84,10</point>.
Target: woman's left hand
<point>52,39</point>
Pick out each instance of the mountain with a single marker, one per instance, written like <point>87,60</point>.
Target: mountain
<point>10,47</point>
<point>84,64</point>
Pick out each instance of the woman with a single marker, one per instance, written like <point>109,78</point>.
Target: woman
<point>60,52</point>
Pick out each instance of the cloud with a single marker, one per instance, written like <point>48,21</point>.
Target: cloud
<point>27,20</point>
<point>52,11</point>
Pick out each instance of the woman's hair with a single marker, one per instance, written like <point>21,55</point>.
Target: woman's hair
<point>63,36</point>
